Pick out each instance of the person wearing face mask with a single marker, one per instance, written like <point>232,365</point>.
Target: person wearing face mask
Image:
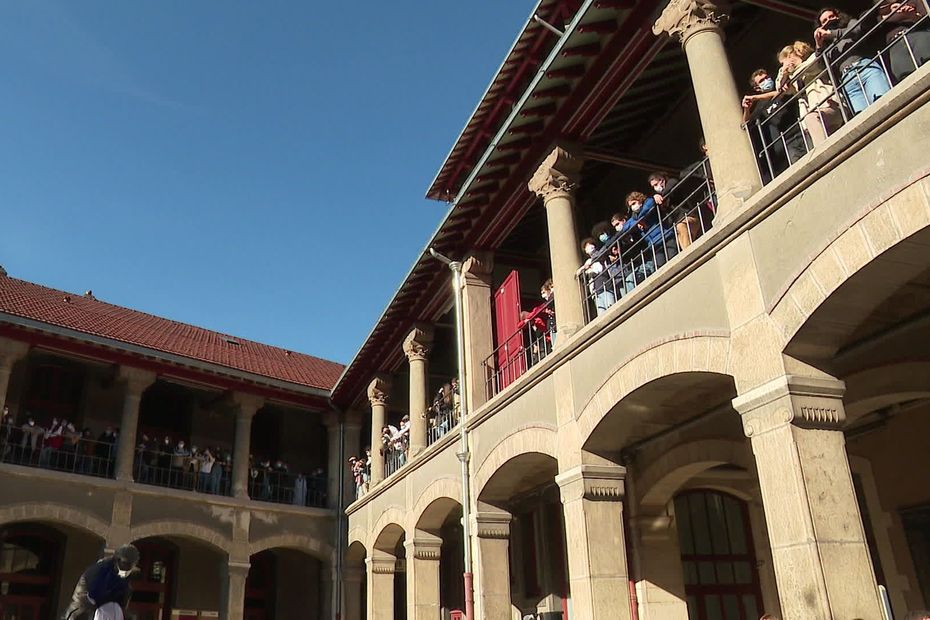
<point>104,586</point>
<point>819,108</point>
<point>179,461</point>
<point>597,278</point>
<point>772,117</point>
<point>906,29</point>
<point>851,47</point>
<point>658,244</point>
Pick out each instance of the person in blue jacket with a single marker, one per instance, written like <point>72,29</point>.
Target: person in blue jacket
<point>659,236</point>
<point>105,581</point>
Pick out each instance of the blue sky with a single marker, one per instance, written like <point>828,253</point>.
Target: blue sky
<point>257,168</point>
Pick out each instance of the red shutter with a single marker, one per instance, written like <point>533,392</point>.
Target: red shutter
<point>511,361</point>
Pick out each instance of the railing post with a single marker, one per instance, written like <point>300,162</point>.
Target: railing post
<point>555,182</point>
<point>697,24</point>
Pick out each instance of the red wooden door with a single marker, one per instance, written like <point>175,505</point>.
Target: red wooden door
<point>511,361</point>
<point>152,595</point>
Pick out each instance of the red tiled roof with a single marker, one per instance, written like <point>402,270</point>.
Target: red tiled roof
<point>94,317</point>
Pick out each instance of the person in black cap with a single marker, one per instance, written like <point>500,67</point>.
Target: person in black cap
<point>105,581</point>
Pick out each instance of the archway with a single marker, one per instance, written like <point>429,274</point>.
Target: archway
<point>153,590</point>
<point>285,583</point>
<point>521,528</point>
<point>387,576</point>
<point>440,528</point>
<point>354,599</point>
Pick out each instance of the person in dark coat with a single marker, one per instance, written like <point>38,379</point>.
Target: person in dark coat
<point>105,581</point>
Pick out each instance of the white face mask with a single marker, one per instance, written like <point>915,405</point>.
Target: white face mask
<point>124,573</point>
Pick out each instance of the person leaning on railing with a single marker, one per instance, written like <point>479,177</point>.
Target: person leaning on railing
<point>772,114</point>
<point>851,47</point>
<point>598,279</point>
<point>906,29</point>
<point>818,107</point>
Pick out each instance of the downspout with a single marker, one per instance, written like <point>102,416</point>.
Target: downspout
<point>341,519</point>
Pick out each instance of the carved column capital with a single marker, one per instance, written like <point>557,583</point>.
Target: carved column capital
<point>386,565</point>
<point>558,175</point>
<point>247,405</point>
<point>494,525</point>
<point>683,18</point>
<point>418,342</point>
<point>479,264</point>
<point>11,351</point>
<point>379,390</point>
<point>424,549</point>
<point>599,483</point>
<point>806,402</point>
<point>136,380</point>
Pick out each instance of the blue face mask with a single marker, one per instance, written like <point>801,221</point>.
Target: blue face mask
<point>604,237</point>
<point>767,84</point>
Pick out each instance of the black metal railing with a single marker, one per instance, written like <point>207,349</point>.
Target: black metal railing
<point>69,452</point>
<point>831,86</point>
<point>288,488</point>
<point>183,472</point>
<point>527,346</point>
<point>440,423</point>
<point>648,239</point>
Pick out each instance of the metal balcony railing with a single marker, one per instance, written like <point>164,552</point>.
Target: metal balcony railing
<point>69,452</point>
<point>520,351</point>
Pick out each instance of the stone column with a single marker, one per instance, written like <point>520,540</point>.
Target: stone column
<point>246,406</point>
<point>697,24</point>
<point>234,606</point>
<point>592,501</point>
<point>492,560</point>
<point>555,182</point>
<point>353,442</point>
<point>327,575</point>
<point>11,351</point>
<point>478,321</point>
<point>335,467</point>
<point>423,577</point>
<point>352,593</point>
<point>378,394</point>
<point>661,585</point>
<point>819,550</point>
<point>135,382</point>
<point>416,347</point>
<point>381,586</point>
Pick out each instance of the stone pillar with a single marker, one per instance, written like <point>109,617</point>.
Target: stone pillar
<point>592,501</point>
<point>492,560</point>
<point>11,351</point>
<point>378,394</point>
<point>478,321</point>
<point>135,382</point>
<point>423,577</point>
<point>555,181</point>
<point>352,593</point>
<point>327,575</point>
<point>381,570</point>
<point>416,347</point>
<point>697,24</point>
<point>819,550</point>
<point>234,605</point>
<point>246,406</point>
<point>335,467</point>
<point>661,586</point>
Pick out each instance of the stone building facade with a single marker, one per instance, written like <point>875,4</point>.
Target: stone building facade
<point>738,433</point>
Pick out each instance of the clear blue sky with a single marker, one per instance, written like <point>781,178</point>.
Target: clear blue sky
<point>257,168</point>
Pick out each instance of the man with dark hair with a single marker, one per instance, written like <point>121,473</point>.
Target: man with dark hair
<point>104,583</point>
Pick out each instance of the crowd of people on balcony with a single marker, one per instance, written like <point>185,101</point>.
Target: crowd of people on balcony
<point>57,443</point>
<point>649,229</point>
<point>820,84</point>
<point>276,482</point>
<point>176,464</point>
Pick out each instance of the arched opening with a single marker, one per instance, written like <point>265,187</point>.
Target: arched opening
<point>443,520</point>
<point>284,583</point>
<point>40,563</point>
<point>525,488</point>
<point>388,572</point>
<point>717,556</point>
<point>354,598</point>
<point>180,575</point>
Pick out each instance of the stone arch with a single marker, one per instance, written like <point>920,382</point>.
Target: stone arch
<point>298,542</point>
<point>435,498</point>
<point>357,535</point>
<point>538,439</point>
<point>883,386</point>
<point>182,529</point>
<point>661,480</point>
<point>699,352</point>
<point>355,554</point>
<point>881,226</point>
<point>388,530</point>
<point>51,512</point>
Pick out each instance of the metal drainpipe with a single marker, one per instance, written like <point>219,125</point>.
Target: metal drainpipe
<point>632,510</point>
<point>341,518</point>
<point>463,454</point>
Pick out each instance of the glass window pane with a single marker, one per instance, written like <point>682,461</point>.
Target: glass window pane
<point>706,572</point>
<point>717,523</point>
<point>725,572</point>
<point>731,607</point>
<point>751,606</point>
<point>712,608</point>
<point>699,524</point>
<point>690,571</point>
<point>693,611</point>
<point>736,526</point>
<point>742,572</point>
<point>683,519</point>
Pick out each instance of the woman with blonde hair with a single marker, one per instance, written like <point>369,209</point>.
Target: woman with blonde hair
<point>819,107</point>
